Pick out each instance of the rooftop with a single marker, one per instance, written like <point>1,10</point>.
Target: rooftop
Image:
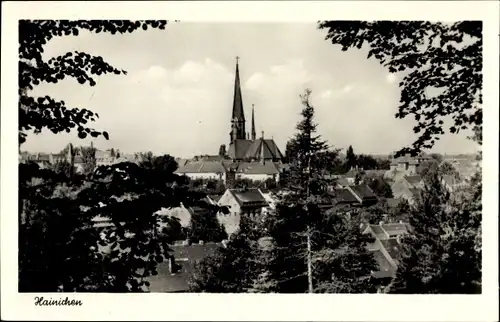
<point>249,197</point>
<point>186,258</point>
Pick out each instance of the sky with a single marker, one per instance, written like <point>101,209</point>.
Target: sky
<point>177,96</point>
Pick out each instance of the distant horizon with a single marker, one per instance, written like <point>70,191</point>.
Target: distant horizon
<point>214,154</point>
<point>178,93</point>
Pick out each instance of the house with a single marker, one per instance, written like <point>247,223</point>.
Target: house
<point>408,165</point>
<point>203,169</point>
<point>350,176</point>
<point>407,187</point>
<point>386,246</point>
<point>353,195</point>
<point>240,203</point>
<point>363,194</point>
<point>258,171</point>
<point>174,274</point>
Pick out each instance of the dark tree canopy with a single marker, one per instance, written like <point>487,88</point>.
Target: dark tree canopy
<point>435,57</point>
<point>37,113</point>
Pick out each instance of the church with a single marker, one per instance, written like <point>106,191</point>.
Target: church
<point>242,147</point>
<point>247,157</point>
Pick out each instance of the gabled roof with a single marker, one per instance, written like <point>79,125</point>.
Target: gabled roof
<point>362,193</point>
<point>351,173</point>
<point>202,167</point>
<point>415,191</point>
<point>249,197</point>
<point>238,149</point>
<point>344,196</point>
<point>393,202</point>
<point>185,258</point>
<point>215,198</point>
<point>389,230</point>
<point>413,180</point>
<point>257,167</point>
<point>263,148</point>
<point>392,247</point>
<point>395,229</point>
<point>385,267</point>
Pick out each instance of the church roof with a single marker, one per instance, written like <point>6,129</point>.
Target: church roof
<point>238,148</point>
<point>238,101</point>
<point>248,149</point>
<point>267,147</point>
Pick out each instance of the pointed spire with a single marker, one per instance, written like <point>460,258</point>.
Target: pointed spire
<point>253,124</point>
<point>238,101</point>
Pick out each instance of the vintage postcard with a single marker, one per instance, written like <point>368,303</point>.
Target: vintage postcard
<point>250,161</point>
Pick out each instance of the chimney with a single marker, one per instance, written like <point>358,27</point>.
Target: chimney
<point>171,265</point>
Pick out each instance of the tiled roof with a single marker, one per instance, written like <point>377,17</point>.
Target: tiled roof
<point>375,172</point>
<point>364,192</point>
<point>249,197</point>
<point>379,232</point>
<point>395,229</point>
<point>385,267</point>
<point>351,173</point>
<point>202,167</point>
<point>343,182</point>
<point>415,191</point>
<point>215,198</point>
<point>392,247</point>
<point>393,202</point>
<point>414,180</point>
<point>186,258</point>
<point>258,168</point>
<point>238,149</point>
<point>344,196</point>
<point>247,149</point>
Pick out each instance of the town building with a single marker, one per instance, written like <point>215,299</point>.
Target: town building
<point>247,156</point>
<point>386,246</point>
<point>240,203</point>
<point>407,187</point>
<point>174,273</point>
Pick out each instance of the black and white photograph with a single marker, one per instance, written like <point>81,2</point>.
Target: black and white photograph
<point>329,156</point>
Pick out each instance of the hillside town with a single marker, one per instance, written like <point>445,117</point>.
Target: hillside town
<point>249,177</point>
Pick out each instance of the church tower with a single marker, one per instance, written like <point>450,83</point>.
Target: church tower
<point>238,118</point>
<point>253,123</point>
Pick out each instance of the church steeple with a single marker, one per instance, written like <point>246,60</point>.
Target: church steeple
<point>253,124</point>
<point>238,117</point>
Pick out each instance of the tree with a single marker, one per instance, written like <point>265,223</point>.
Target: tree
<point>61,247</point>
<point>366,162</point>
<point>222,150</point>
<point>309,245</point>
<point>37,113</point>
<point>442,254</point>
<point>63,166</point>
<point>229,270</point>
<point>442,66</point>
<point>380,187</point>
<point>206,227</point>
<point>89,159</point>
<point>351,158</point>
